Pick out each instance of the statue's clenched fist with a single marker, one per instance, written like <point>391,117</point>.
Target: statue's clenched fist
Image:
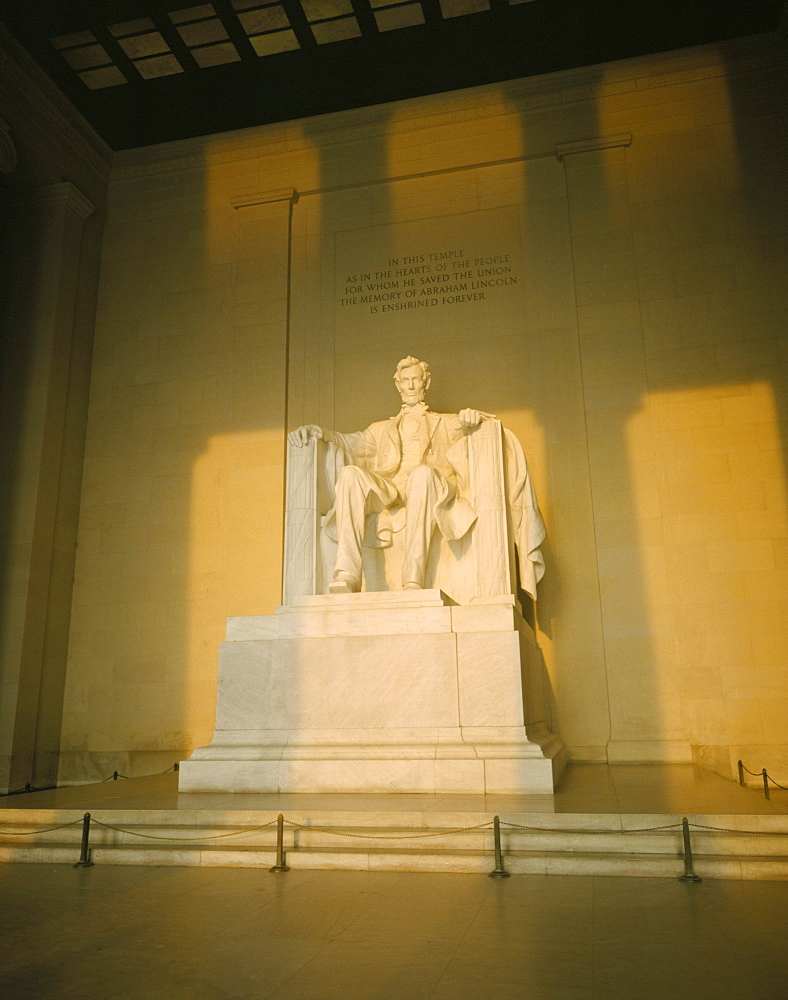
<point>472,418</point>
<point>300,437</point>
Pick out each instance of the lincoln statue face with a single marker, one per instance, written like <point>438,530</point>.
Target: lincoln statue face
<point>412,380</point>
<point>411,385</point>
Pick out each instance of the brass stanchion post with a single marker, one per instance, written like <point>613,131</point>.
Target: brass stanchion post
<point>84,854</point>
<point>498,871</point>
<point>280,865</point>
<point>689,875</point>
<point>765,783</point>
<point>741,773</point>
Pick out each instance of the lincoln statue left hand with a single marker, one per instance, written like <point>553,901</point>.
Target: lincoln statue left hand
<point>399,463</point>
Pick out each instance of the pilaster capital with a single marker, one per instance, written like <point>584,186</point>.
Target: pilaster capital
<point>287,196</point>
<point>64,195</point>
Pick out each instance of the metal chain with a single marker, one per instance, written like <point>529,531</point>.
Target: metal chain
<point>29,833</point>
<point>151,836</point>
<point>760,774</point>
<point>561,829</point>
<point>727,829</point>
<point>409,836</point>
<point>376,836</point>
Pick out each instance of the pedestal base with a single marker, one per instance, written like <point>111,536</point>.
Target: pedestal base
<point>380,692</point>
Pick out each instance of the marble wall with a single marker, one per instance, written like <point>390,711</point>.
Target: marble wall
<point>613,247</point>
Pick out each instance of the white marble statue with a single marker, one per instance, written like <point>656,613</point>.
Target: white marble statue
<point>412,474</point>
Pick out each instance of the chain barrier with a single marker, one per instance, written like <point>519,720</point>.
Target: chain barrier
<point>645,829</point>
<point>281,866</point>
<point>763,774</point>
<point>395,836</point>
<point>112,777</point>
<point>215,836</point>
<point>29,788</point>
<point>759,774</point>
<point>30,833</point>
<point>399,836</point>
<point>727,829</point>
<point>565,829</point>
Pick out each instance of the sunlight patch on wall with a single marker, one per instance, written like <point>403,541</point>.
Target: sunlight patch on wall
<point>235,552</point>
<point>709,492</point>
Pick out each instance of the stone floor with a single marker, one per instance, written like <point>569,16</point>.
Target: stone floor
<point>197,934</point>
<point>634,789</point>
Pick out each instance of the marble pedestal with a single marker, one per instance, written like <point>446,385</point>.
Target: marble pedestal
<point>380,692</point>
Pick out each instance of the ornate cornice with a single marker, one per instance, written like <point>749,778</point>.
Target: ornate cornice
<point>26,89</point>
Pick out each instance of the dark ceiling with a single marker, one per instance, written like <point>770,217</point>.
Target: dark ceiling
<point>148,71</point>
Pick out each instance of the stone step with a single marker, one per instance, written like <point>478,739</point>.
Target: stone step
<point>741,846</point>
<point>621,863</point>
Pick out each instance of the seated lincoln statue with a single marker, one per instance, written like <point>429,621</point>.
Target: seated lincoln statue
<point>404,481</point>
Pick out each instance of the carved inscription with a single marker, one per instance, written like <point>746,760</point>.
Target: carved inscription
<point>450,277</point>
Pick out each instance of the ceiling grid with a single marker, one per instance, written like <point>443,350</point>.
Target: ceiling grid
<point>148,71</point>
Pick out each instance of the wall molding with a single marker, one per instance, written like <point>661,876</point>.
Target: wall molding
<point>289,195</point>
<point>564,149</point>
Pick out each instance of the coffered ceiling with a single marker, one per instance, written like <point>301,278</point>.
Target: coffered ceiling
<point>148,71</point>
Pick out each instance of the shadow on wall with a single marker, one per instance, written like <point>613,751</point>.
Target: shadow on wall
<point>51,238</point>
<point>677,255</point>
<point>17,496</point>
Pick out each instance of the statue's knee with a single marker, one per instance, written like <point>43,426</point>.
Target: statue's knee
<point>350,479</point>
<point>349,474</point>
<point>421,477</point>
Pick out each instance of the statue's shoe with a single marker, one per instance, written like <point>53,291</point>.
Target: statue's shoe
<point>412,585</point>
<point>344,584</point>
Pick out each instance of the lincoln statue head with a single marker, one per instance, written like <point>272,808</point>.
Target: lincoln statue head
<point>412,379</point>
